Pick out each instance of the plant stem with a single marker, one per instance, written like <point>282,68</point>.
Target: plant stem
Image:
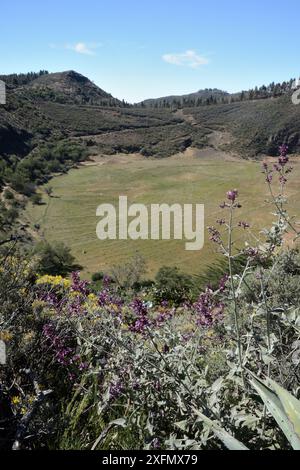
<point>236,314</point>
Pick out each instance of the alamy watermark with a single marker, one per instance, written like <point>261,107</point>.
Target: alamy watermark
<point>153,222</point>
<point>296,93</point>
<point>2,92</point>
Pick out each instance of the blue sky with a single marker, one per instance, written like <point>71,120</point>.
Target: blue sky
<point>150,48</point>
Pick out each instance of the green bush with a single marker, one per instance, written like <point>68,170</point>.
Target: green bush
<point>97,276</point>
<point>36,199</point>
<point>172,286</point>
<point>54,259</point>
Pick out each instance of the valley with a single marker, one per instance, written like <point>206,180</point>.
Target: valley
<point>201,176</point>
<point>62,130</point>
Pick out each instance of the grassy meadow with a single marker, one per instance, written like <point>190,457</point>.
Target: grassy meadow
<point>197,176</point>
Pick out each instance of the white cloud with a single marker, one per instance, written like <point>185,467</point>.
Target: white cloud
<point>188,58</point>
<point>82,48</point>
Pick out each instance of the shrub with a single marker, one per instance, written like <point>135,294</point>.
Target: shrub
<point>172,286</point>
<point>97,276</point>
<point>8,195</point>
<point>36,199</point>
<point>111,371</point>
<point>54,258</point>
<point>130,274</point>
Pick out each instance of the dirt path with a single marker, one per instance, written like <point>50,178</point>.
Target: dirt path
<point>186,117</point>
<point>123,158</point>
<point>219,138</point>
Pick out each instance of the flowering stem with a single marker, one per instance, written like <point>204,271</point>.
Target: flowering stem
<point>268,337</point>
<point>267,311</point>
<point>236,316</point>
<point>281,211</point>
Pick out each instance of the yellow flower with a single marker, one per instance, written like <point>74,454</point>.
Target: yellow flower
<point>114,307</point>
<point>15,400</point>
<point>29,337</point>
<point>210,333</point>
<point>73,294</point>
<point>38,304</point>
<point>55,281</point>
<point>92,297</point>
<point>5,335</point>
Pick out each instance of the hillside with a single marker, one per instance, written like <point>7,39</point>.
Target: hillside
<point>206,96</point>
<point>255,127</point>
<point>43,107</point>
<point>70,87</point>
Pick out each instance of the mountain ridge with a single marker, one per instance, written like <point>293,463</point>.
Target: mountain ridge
<point>45,107</point>
<point>72,87</point>
<point>203,94</point>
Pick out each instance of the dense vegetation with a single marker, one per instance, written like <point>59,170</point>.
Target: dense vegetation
<point>128,363</point>
<point>18,79</point>
<point>24,174</point>
<point>50,107</point>
<point>256,127</point>
<point>211,96</point>
<point>116,366</point>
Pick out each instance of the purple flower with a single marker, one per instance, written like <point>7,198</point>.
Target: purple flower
<point>116,389</point>
<point>63,353</point>
<point>283,149</point>
<point>282,179</point>
<point>265,166</point>
<point>75,307</point>
<point>232,195</point>
<point>215,235</point>
<point>283,160</point>
<point>251,252</point>
<point>221,221</point>
<point>155,444</point>
<point>223,282</point>
<point>141,312</point>
<point>139,307</point>
<point>244,225</point>
<point>163,316</point>
<point>78,285</point>
<point>103,298</point>
<point>208,309</point>
<point>140,325</point>
<point>106,281</point>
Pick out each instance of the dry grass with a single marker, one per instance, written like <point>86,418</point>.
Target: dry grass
<point>192,177</point>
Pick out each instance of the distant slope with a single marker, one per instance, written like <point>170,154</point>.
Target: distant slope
<point>257,127</point>
<point>51,107</point>
<point>71,87</point>
<point>209,94</point>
